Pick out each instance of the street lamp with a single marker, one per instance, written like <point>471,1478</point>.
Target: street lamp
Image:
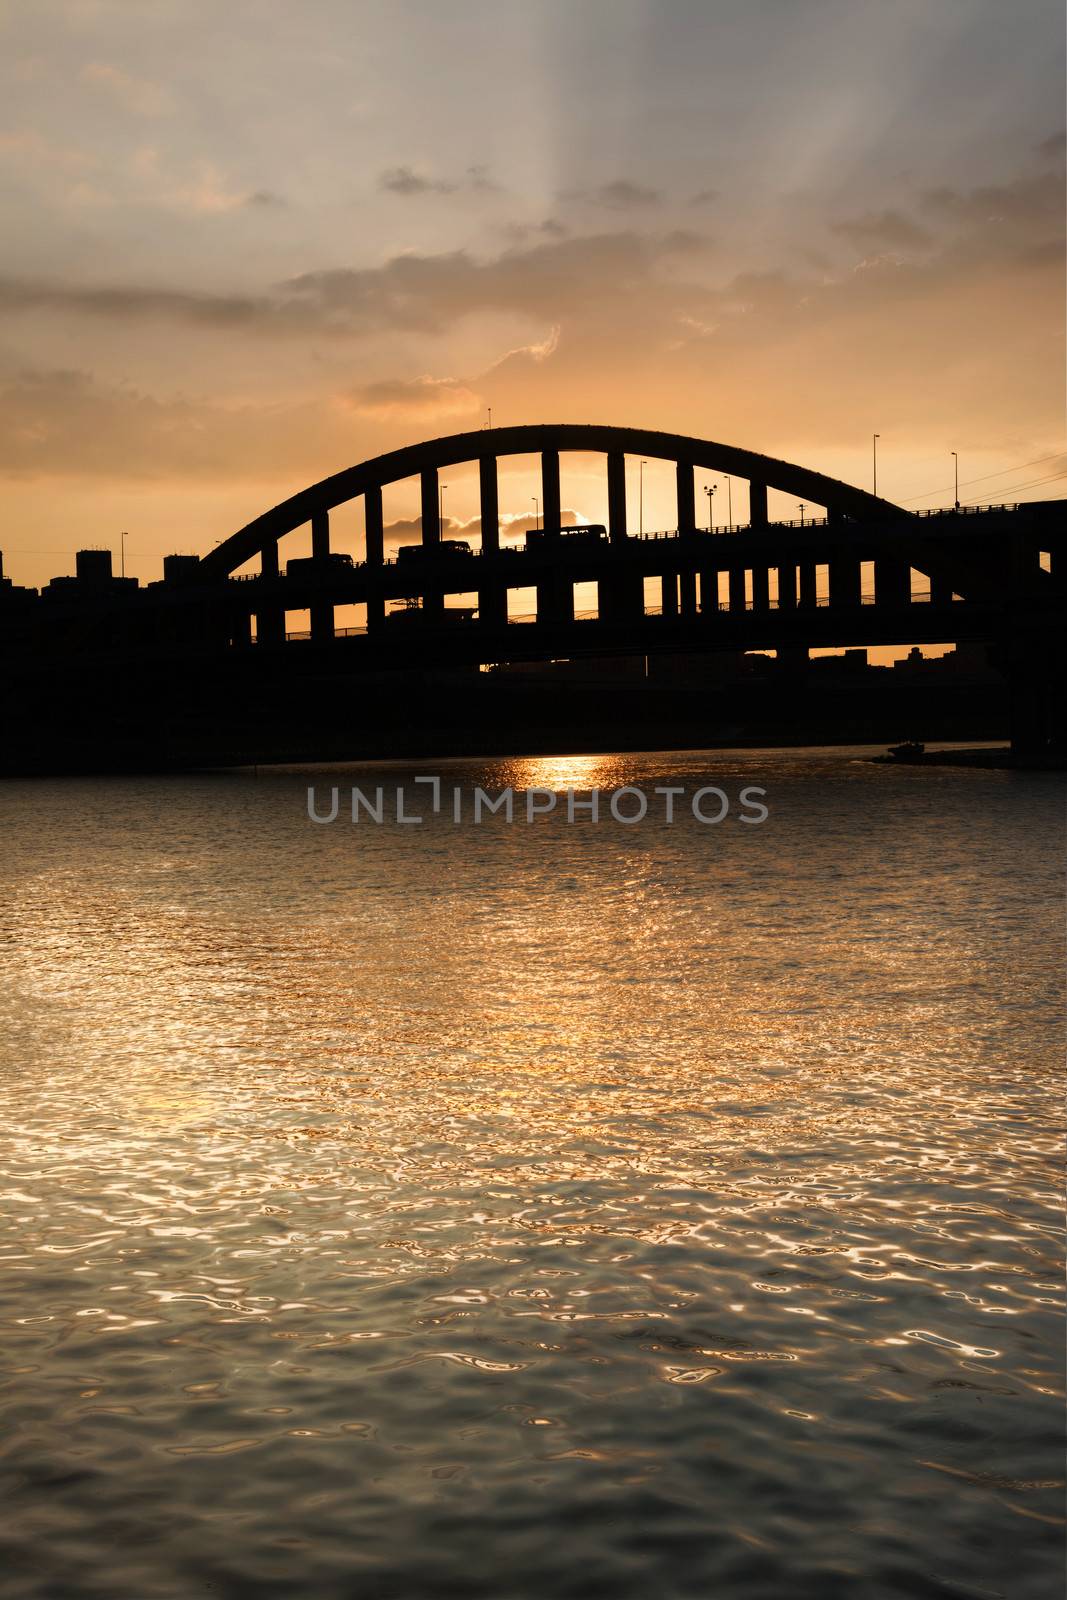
<point>641,498</point>
<point>956,473</point>
<point>874,460</point>
<point>122,554</point>
<point>441,508</point>
<point>709,491</point>
<point>729,504</point>
<point>537,511</point>
<point>800,508</point>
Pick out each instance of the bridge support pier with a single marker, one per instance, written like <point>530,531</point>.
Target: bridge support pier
<point>709,592</point>
<point>687,521</point>
<point>616,496</point>
<point>687,593</point>
<point>808,598</point>
<point>375,556</point>
<point>737,589</point>
<point>492,595</point>
<point>1033,668</point>
<point>761,592</point>
<point>892,581</point>
<point>844,581</point>
<point>430,507</point>
<point>669,594</point>
<point>321,610</point>
<point>757,505</point>
<point>270,618</point>
<point>622,596</point>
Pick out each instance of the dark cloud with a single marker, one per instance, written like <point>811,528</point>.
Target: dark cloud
<point>132,300</point>
<point>704,197</point>
<point>883,230</point>
<point>406,181</point>
<point>1053,148</point>
<point>618,195</point>
<point>548,281</point>
<point>265,197</point>
<point>1028,202</point>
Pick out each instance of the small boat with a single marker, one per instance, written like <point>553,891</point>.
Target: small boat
<point>910,750</point>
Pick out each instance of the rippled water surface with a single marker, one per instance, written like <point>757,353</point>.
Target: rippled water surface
<point>532,1211</point>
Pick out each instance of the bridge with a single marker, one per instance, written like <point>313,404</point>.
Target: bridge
<point>852,570</point>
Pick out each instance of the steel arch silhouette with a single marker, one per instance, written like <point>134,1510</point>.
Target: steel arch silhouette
<point>841,501</point>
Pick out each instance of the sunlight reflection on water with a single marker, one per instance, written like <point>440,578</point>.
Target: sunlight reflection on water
<point>532,1210</point>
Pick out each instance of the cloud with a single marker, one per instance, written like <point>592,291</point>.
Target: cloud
<point>618,195</point>
<point>548,282</point>
<point>1029,202</point>
<point>408,530</point>
<point>883,230</point>
<point>27,145</point>
<point>407,181</point>
<point>1053,148</point>
<point>139,96</point>
<point>264,198</point>
<point>704,197</point>
<point>415,397</point>
<point>131,301</point>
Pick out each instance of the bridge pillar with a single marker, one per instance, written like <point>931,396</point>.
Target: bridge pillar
<point>808,599</point>
<point>737,589</point>
<point>489,505</point>
<point>241,627</point>
<point>321,610</point>
<point>492,594</point>
<point>270,618</point>
<point>687,520</point>
<point>845,577</point>
<point>760,589</point>
<point>892,581</point>
<point>431,506</point>
<point>709,592</point>
<point>668,585</point>
<point>374,530</point>
<point>555,598</point>
<point>940,589</point>
<point>787,586</point>
<point>617,496</point>
<point>550,517</point>
<point>757,505</point>
<point>687,595</point>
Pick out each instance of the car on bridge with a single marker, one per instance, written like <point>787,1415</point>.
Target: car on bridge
<point>409,555</point>
<point>414,615</point>
<point>592,533</point>
<point>317,566</point>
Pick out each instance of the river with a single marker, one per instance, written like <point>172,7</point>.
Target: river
<point>533,1209</point>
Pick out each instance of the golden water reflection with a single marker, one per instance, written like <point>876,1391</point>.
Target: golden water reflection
<point>688,1184</point>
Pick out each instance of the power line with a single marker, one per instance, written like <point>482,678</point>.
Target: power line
<point>1035,483</point>
<point>925,493</point>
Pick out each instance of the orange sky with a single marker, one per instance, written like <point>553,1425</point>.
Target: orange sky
<point>246,248</point>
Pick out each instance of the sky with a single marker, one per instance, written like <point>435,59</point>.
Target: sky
<point>245,246</point>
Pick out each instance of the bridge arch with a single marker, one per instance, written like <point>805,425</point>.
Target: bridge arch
<point>842,501</point>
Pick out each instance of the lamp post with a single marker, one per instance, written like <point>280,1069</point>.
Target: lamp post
<point>709,490</point>
<point>441,508</point>
<point>874,460</point>
<point>537,511</point>
<point>800,508</point>
<point>122,554</point>
<point>729,504</point>
<point>641,498</point>
<point>956,478</point>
